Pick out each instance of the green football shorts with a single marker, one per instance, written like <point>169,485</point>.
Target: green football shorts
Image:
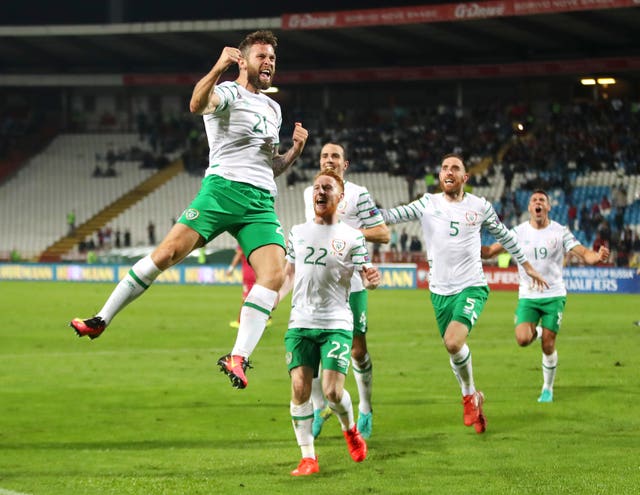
<point>243,210</point>
<point>312,346</point>
<point>358,301</point>
<point>547,311</point>
<point>465,307</point>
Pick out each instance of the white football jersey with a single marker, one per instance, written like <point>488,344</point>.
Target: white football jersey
<point>452,238</point>
<point>325,258</point>
<point>545,250</point>
<point>357,209</point>
<point>243,134</point>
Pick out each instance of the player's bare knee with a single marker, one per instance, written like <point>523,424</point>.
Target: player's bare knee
<point>163,257</point>
<point>333,395</point>
<point>277,279</point>
<point>525,333</point>
<point>452,344</point>
<point>300,391</point>
<point>271,278</point>
<point>548,348</point>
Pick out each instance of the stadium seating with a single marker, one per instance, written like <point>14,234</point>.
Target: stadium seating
<point>34,202</point>
<point>386,156</point>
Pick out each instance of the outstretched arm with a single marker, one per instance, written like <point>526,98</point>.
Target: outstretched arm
<point>281,163</point>
<point>590,256</point>
<point>405,213</point>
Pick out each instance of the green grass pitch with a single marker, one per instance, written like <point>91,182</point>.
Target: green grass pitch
<point>144,410</point>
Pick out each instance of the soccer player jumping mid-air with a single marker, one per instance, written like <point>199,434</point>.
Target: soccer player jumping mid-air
<point>237,195</point>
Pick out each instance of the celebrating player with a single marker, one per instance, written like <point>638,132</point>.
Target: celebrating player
<point>451,224</point>
<point>359,211</point>
<point>322,256</point>
<point>539,313</point>
<point>236,196</point>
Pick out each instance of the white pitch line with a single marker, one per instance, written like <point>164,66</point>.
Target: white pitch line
<point>11,492</point>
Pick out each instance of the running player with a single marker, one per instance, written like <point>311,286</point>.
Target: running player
<point>322,256</point>
<point>539,313</point>
<point>359,211</point>
<point>451,224</point>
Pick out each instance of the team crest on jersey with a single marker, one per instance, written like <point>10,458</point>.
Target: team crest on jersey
<point>471,217</point>
<point>191,214</point>
<point>338,245</point>
<point>552,243</point>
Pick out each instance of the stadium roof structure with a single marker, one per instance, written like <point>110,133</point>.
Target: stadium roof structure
<point>445,41</point>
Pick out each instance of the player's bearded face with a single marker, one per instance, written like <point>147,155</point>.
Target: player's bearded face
<point>452,175</point>
<point>261,66</point>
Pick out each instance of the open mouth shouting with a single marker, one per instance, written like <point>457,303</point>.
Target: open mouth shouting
<point>265,77</point>
<point>449,184</point>
<point>321,202</point>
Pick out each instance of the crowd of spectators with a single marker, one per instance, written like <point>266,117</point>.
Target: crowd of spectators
<point>408,142</point>
<point>160,138</point>
<point>594,135</point>
<point>549,145</point>
<point>566,140</point>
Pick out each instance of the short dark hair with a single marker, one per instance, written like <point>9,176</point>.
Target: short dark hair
<point>331,172</point>
<point>541,191</point>
<point>344,151</point>
<point>261,36</point>
<point>455,155</point>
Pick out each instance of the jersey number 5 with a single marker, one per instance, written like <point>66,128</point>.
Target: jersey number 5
<point>468,309</point>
